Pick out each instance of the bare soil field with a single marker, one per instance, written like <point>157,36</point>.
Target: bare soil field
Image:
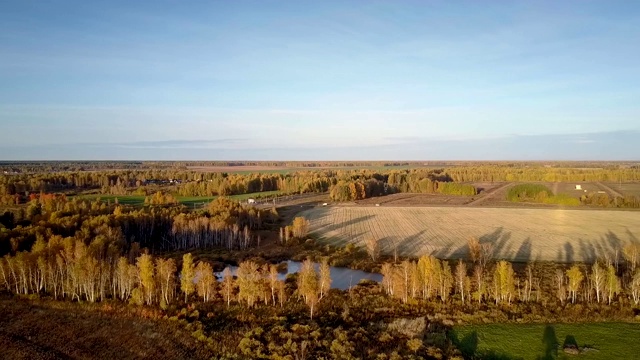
<point>516,234</point>
<point>409,199</point>
<point>485,189</point>
<point>498,196</point>
<point>628,189</point>
<point>570,188</point>
<point>50,330</point>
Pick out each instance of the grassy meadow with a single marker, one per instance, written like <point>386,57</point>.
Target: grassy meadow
<point>546,341</point>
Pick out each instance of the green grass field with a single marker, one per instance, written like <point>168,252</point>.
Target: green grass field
<point>540,341</point>
<point>190,201</point>
<point>122,199</point>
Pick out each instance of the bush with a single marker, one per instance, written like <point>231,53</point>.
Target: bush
<point>529,192</point>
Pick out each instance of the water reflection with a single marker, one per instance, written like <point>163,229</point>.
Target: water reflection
<point>341,278</point>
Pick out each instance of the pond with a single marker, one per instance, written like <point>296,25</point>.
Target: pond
<point>341,278</point>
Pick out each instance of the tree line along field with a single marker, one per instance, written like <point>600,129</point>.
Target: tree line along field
<point>559,235</point>
<point>190,201</point>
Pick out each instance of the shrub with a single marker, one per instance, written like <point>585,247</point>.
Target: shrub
<point>529,192</point>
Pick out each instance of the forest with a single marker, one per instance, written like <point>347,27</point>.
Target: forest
<point>344,184</point>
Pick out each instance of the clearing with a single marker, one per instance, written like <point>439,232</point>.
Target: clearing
<point>540,341</point>
<point>629,189</point>
<point>516,234</point>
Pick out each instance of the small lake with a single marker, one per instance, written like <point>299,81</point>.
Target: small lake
<point>341,278</point>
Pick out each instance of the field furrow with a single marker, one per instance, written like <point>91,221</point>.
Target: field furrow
<point>516,234</point>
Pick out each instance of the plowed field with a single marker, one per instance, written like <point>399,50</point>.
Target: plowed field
<point>516,234</point>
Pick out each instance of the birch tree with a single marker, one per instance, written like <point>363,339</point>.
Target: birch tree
<point>249,282</point>
<point>166,270</point>
<point>325,277</point>
<point>187,276</point>
<point>575,277</point>
<point>147,277</point>
<point>612,283</point>
<point>227,285</point>
<point>598,277</point>
<point>205,286</point>
<point>308,285</point>
<point>461,279</point>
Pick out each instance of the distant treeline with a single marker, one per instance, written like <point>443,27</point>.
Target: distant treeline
<point>57,166</point>
<point>542,173</point>
<point>190,183</point>
<point>158,227</point>
<point>193,183</point>
<point>358,189</point>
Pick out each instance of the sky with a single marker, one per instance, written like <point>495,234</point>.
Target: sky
<point>319,80</point>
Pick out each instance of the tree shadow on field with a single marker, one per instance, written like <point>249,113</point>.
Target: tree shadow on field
<point>550,342</point>
<point>499,239</point>
<point>347,223</point>
<point>570,341</point>
<point>608,246</point>
<point>407,246</point>
<point>468,347</point>
<point>568,252</point>
<point>390,245</point>
<point>342,241</point>
<point>613,240</point>
<point>524,251</point>
<point>587,251</point>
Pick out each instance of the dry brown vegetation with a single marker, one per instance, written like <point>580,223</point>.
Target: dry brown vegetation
<point>516,234</point>
<point>59,330</point>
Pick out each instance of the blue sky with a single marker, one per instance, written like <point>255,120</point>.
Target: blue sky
<point>320,80</point>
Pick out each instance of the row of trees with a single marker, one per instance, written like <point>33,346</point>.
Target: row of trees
<point>69,269</point>
<point>359,189</point>
<point>541,172</point>
<point>604,200</point>
<point>184,183</point>
<point>416,182</point>
<point>430,278</point>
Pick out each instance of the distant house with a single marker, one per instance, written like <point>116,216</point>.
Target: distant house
<point>578,187</point>
<point>251,201</point>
